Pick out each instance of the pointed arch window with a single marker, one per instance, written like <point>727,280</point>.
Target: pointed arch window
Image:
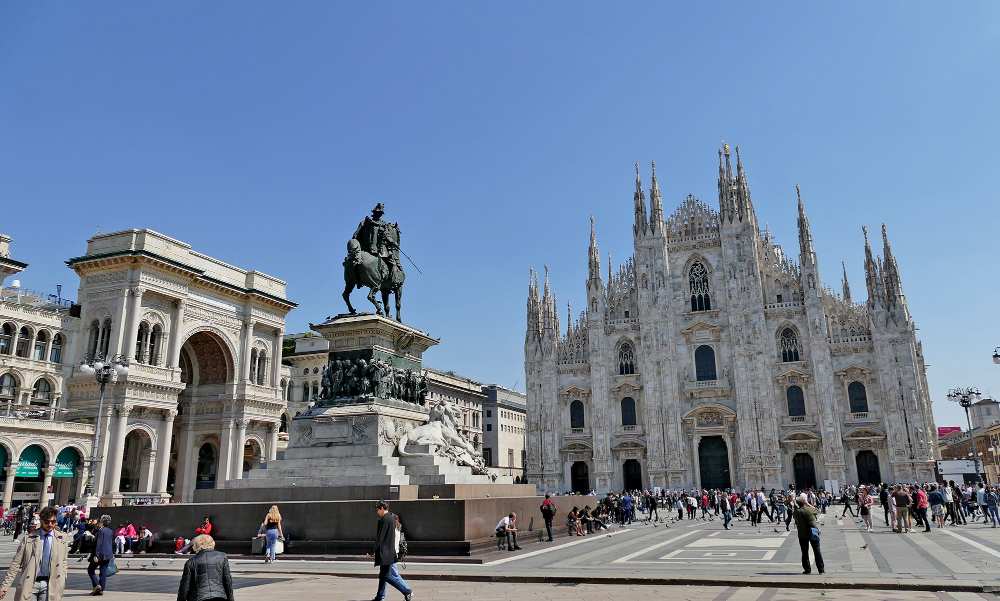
<point>95,337</point>
<point>140,342</point>
<point>42,392</point>
<point>23,342</point>
<point>105,337</point>
<point>261,367</point>
<point>628,411</point>
<point>788,346</point>
<point>155,337</point>
<point>858,397</point>
<point>8,387</point>
<point>40,350</point>
<point>796,401</point>
<point>6,339</point>
<point>704,363</point>
<point>626,360</point>
<point>576,415</point>
<point>55,353</point>
<point>701,299</point>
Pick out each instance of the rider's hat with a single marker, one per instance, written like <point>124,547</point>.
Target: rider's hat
<point>379,208</point>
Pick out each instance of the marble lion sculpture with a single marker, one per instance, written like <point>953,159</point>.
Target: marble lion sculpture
<point>441,434</point>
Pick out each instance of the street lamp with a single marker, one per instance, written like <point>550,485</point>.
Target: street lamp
<point>103,372</point>
<point>965,397</point>
<point>996,355</point>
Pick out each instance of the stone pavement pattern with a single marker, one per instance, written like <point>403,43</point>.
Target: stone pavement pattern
<point>157,587</point>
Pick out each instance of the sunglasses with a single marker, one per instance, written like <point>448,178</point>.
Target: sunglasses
<point>49,521</point>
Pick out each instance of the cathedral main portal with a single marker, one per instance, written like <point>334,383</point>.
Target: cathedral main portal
<point>713,459</point>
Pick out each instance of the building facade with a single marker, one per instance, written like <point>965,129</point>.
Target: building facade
<point>503,430</point>
<point>711,358</point>
<point>202,400</point>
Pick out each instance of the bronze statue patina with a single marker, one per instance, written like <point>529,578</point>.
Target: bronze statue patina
<point>373,262</point>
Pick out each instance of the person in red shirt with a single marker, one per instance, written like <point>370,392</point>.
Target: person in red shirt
<point>922,505</point>
<point>205,528</point>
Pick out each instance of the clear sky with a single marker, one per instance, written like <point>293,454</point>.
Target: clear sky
<point>261,133</point>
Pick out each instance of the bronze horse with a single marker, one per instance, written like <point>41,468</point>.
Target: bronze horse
<point>362,268</point>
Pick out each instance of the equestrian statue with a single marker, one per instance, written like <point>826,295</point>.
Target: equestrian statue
<point>373,262</point>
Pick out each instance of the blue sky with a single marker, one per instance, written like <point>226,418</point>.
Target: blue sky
<point>261,133</point>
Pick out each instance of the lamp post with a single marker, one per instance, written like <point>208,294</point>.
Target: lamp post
<point>103,372</point>
<point>965,397</point>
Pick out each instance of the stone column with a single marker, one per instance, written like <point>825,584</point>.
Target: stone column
<point>272,442</point>
<point>117,449</point>
<point>13,349</point>
<point>238,449</point>
<point>176,325</point>
<point>225,453</point>
<point>247,345</point>
<point>279,336</point>
<point>103,422</point>
<point>187,468</point>
<point>8,489</point>
<point>81,482</point>
<point>133,302</point>
<point>43,498</point>
<point>163,466</point>
<point>147,475</point>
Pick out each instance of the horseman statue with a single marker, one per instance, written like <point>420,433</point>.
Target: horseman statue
<point>373,262</point>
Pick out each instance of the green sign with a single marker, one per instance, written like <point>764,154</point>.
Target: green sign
<point>65,464</point>
<point>30,463</point>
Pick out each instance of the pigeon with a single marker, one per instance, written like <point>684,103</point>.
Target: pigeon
<point>864,546</point>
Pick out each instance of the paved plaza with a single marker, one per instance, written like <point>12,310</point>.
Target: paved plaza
<point>687,560</point>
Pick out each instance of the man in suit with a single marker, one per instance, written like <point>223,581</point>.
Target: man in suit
<point>385,552</point>
<point>41,561</point>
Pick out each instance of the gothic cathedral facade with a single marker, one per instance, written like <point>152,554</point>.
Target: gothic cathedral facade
<point>712,359</point>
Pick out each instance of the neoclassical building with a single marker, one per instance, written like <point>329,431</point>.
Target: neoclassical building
<point>711,358</point>
<point>203,399</point>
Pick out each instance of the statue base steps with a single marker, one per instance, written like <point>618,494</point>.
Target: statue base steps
<point>425,468</point>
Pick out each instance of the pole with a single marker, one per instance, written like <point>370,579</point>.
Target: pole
<point>97,441</point>
<point>972,437</point>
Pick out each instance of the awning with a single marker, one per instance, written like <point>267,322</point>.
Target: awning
<point>66,464</point>
<point>31,462</point>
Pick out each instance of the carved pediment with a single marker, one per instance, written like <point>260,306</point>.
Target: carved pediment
<point>702,331</point>
<point>710,416</point>
<point>627,386</point>
<point>577,447</point>
<point>792,376</point>
<point>854,372</point>
<point>629,445</point>
<point>864,433</point>
<point>575,392</point>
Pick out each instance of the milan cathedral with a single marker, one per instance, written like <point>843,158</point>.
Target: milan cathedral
<point>712,359</point>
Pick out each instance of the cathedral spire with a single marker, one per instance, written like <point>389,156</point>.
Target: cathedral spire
<point>569,319</point>
<point>534,316</point>
<point>845,284</point>
<point>594,262</point>
<point>547,312</point>
<point>639,199</point>
<point>872,276</point>
<point>893,286</point>
<point>656,202</point>
<point>744,205</point>
<point>805,232</point>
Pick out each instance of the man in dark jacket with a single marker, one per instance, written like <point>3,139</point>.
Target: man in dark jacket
<point>101,556</point>
<point>206,575</point>
<point>386,548</point>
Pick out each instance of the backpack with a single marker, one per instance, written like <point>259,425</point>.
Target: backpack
<point>404,548</point>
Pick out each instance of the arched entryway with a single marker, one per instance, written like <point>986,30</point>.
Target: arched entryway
<point>252,455</point>
<point>68,476</point>
<point>579,474</point>
<point>868,470</point>
<point>208,463</point>
<point>713,462</point>
<point>632,474</point>
<point>137,462</point>
<point>29,475</point>
<point>805,471</point>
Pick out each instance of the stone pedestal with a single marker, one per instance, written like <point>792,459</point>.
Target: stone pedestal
<point>349,437</point>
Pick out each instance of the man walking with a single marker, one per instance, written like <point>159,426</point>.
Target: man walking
<point>548,509</point>
<point>385,552</point>
<point>807,527</point>
<point>41,558</point>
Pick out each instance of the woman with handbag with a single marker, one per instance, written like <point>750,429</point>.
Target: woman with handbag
<point>102,557</point>
<point>271,527</point>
